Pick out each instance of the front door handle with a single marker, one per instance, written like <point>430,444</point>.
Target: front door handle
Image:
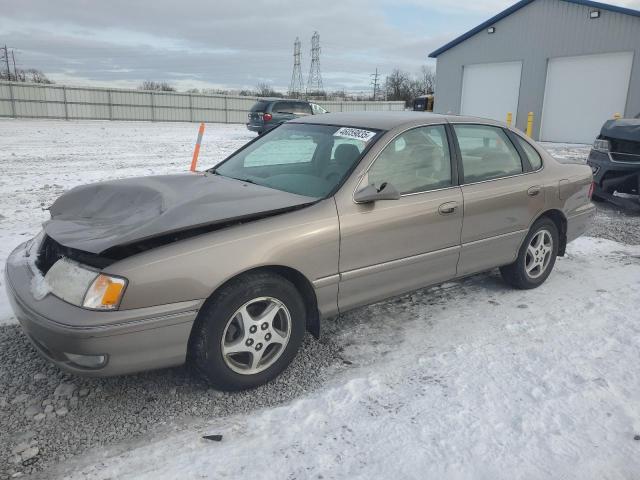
<point>447,208</point>
<point>533,191</point>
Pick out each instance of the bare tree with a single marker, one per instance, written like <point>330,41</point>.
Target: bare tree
<point>156,86</point>
<point>31,75</point>
<point>215,91</point>
<point>428,78</point>
<point>398,86</point>
<point>263,89</point>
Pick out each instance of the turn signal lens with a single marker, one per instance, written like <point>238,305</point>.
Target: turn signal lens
<point>105,293</point>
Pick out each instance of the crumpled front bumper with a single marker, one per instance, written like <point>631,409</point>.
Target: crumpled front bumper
<point>130,340</point>
<point>608,175</point>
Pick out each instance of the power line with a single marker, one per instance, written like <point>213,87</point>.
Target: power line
<point>314,82</point>
<point>295,88</point>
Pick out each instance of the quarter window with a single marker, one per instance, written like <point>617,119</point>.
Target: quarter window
<point>531,153</point>
<point>487,153</point>
<point>415,161</point>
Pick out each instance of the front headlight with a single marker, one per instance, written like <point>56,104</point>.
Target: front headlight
<point>83,287</point>
<point>601,145</point>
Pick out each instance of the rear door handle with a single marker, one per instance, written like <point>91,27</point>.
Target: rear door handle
<point>533,191</point>
<point>447,208</point>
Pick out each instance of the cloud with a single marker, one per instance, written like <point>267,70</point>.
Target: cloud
<point>232,44</point>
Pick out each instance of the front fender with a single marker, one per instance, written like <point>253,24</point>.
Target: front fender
<point>305,240</point>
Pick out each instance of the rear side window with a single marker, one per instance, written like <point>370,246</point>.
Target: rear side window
<point>282,107</point>
<point>531,153</point>
<point>487,153</point>
<point>259,107</point>
<point>303,108</point>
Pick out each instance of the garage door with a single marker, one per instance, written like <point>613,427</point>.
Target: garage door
<point>581,93</point>
<point>490,90</point>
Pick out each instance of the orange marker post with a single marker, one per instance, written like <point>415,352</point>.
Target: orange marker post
<point>196,150</point>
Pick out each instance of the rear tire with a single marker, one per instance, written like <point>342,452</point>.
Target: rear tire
<point>248,332</point>
<point>536,257</point>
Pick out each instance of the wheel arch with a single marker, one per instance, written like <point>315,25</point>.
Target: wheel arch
<point>557,217</point>
<point>299,280</point>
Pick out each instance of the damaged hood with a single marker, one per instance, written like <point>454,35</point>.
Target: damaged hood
<point>623,129</point>
<point>96,217</point>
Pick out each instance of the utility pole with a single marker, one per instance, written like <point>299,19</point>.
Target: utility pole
<point>295,88</point>
<point>375,84</point>
<point>314,82</point>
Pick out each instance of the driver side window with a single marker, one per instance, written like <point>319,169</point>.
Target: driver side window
<point>415,161</point>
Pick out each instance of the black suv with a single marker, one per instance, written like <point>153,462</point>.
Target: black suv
<point>615,162</point>
<point>267,114</point>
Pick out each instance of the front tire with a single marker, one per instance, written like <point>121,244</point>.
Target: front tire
<point>248,332</point>
<point>536,257</point>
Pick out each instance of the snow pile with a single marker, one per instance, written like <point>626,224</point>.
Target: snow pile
<point>467,380</point>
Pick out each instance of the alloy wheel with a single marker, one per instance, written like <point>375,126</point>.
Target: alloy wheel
<point>256,335</point>
<point>539,253</point>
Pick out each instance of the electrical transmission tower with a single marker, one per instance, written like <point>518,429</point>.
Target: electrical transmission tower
<point>295,88</point>
<point>5,60</point>
<point>375,84</point>
<point>314,82</point>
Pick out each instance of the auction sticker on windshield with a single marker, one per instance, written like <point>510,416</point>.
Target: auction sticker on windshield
<point>355,133</point>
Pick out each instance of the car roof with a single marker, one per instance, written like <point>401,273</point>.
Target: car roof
<point>388,120</point>
<point>269,100</point>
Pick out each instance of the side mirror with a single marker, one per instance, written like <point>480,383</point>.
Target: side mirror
<point>372,194</point>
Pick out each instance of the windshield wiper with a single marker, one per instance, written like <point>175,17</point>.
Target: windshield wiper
<point>246,180</point>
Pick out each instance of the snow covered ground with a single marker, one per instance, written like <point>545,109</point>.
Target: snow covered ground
<point>470,379</point>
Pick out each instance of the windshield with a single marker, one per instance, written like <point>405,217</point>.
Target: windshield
<point>304,159</point>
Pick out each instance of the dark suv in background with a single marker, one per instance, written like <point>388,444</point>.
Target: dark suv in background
<point>615,162</point>
<point>267,114</point>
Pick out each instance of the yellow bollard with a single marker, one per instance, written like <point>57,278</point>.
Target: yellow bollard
<point>530,124</point>
<point>617,116</point>
<point>509,118</point>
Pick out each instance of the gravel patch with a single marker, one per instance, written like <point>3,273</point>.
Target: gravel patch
<point>614,223</point>
<point>48,416</point>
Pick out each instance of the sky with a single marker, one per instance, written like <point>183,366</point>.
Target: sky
<point>233,45</point>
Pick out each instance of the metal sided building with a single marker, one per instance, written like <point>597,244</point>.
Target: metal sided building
<point>573,63</point>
